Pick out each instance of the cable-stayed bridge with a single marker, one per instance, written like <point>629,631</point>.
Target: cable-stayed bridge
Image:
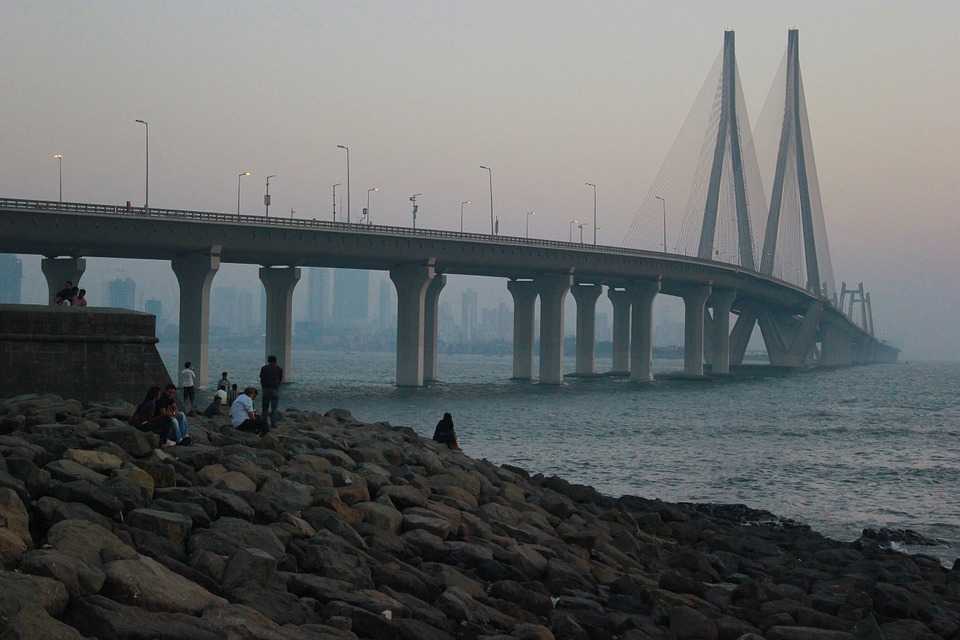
<point>784,284</point>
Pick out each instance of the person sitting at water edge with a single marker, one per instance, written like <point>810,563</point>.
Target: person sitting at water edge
<point>81,299</point>
<point>243,416</point>
<point>445,433</point>
<point>67,294</point>
<point>216,403</point>
<point>224,382</point>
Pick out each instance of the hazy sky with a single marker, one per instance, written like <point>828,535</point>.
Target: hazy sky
<point>550,94</point>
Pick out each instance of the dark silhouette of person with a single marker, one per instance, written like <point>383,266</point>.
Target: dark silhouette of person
<point>445,433</point>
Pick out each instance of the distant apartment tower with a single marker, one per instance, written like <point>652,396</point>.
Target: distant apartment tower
<point>11,279</point>
<point>154,307</point>
<point>504,321</point>
<point>351,297</point>
<point>469,315</point>
<point>386,309</point>
<point>122,293</point>
<point>232,310</point>
<point>320,302</point>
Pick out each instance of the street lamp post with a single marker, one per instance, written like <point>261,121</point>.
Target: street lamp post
<point>490,175</point>
<point>590,184</point>
<point>266,197</point>
<point>664,201</point>
<point>146,188</point>
<point>366,212</point>
<point>462,203</point>
<point>240,175</point>
<point>580,226</point>
<point>570,229</point>
<point>335,201</point>
<point>347,149</point>
<point>59,158</point>
<point>529,213</point>
<point>415,208</point>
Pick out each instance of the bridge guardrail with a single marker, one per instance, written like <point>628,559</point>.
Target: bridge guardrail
<point>354,227</point>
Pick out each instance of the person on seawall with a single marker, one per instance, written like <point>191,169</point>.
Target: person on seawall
<point>67,294</point>
<point>81,299</point>
<point>244,417</point>
<point>445,433</point>
<point>188,378</point>
<point>271,376</point>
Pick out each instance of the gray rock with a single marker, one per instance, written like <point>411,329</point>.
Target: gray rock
<point>248,567</point>
<point>134,442</point>
<point>287,495</point>
<point>805,633</point>
<point>67,470</point>
<point>403,496</point>
<point>108,620</point>
<point>167,524</point>
<point>79,578</point>
<point>89,494</point>
<point>227,535</point>
<point>690,624</point>
<point>18,590</point>
<point>30,623</point>
<point>52,511</point>
<point>100,461</point>
<point>89,542</point>
<point>380,516</point>
<point>150,585</point>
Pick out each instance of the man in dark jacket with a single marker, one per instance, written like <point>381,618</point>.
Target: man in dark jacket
<point>271,376</point>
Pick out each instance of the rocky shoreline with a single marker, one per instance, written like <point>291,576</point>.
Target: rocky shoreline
<point>333,529</point>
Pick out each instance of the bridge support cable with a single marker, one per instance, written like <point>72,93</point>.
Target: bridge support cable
<point>795,246</point>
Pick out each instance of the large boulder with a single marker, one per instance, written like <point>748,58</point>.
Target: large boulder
<point>34,623</point>
<point>18,590</point>
<point>131,440</point>
<point>174,527</point>
<point>68,470</point>
<point>88,542</point>
<point>380,516</point>
<point>79,578</point>
<point>100,461</point>
<point>287,495</point>
<point>148,584</point>
<point>106,619</point>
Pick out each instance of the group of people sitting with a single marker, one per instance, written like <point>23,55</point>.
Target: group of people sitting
<point>72,295</point>
<point>159,413</point>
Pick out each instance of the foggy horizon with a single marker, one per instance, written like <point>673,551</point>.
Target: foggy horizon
<point>549,96</point>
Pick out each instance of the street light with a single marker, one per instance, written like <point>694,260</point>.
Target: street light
<point>590,184</point>
<point>266,197</point>
<point>413,199</point>
<point>581,232</point>
<point>462,203</point>
<point>490,175</point>
<point>240,175</point>
<point>664,201</point>
<point>146,189</point>
<point>570,235</point>
<point>347,149</point>
<point>59,158</point>
<point>366,212</point>
<point>529,213</point>
<point>335,201</point>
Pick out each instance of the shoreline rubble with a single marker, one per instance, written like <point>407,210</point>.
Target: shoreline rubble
<point>333,529</point>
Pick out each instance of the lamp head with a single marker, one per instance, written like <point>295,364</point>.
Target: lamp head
<point>245,173</point>
<point>659,198</point>
<point>58,156</point>
<point>343,146</point>
<point>141,121</point>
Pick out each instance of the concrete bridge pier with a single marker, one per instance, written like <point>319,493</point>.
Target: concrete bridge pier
<point>586,296</point>
<point>195,275</point>
<point>552,289</point>
<point>721,300</point>
<point>835,348</point>
<point>58,270</point>
<point>620,300</point>
<point>641,295</point>
<point>694,304</point>
<point>524,294</point>
<point>411,282</point>
<point>279,284</point>
<point>431,313</point>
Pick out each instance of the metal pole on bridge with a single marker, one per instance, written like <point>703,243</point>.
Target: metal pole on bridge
<point>146,189</point>
<point>335,201</point>
<point>266,198</point>
<point>664,201</point>
<point>59,158</point>
<point>240,175</point>
<point>529,213</point>
<point>366,212</point>
<point>347,149</point>
<point>490,175</point>
<point>462,203</point>
<point>570,229</point>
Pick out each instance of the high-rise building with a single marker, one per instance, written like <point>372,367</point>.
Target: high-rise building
<point>11,279</point>
<point>320,302</point>
<point>231,310</point>
<point>351,297</point>
<point>504,321</point>
<point>386,309</point>
<point>155,307</point>
<point>469,315</point>
<point>122,293</point>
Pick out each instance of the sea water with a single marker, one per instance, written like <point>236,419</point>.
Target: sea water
<point>842,449</point>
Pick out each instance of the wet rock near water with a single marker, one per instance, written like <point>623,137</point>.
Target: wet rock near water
<point>333,529</point>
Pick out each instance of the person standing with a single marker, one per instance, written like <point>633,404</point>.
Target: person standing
<point>224,382</point>
<point>188,380</point>
<point>271,376</point>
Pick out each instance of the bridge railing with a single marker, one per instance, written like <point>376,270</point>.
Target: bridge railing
<point>356,227</point>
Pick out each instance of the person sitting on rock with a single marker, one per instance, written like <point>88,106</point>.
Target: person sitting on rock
<point>147,409</point>
<point>81,299</point>
<point>165,425</point>
<point>67,294</point>
<point>216,403</point>
<point>445,434</point>
<point>168,398</point>
<point>243,416</point>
